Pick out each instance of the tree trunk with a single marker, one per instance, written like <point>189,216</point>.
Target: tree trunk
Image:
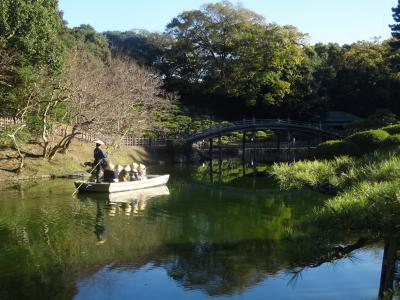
<point>18,149</point>
<point>62,145</point>
<point>45,132</point>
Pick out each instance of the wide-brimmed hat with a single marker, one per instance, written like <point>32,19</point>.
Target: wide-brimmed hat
<point>99,142</point>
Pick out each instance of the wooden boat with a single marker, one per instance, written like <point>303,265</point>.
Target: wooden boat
<point>112,187</point>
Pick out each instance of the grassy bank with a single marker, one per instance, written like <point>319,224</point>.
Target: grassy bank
<point>69,163</point>
<point>365,189</point>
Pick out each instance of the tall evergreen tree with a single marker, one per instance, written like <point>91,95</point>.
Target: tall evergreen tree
<point>396,16</point>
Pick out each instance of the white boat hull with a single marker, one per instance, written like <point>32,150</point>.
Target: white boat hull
<point>113,187</point>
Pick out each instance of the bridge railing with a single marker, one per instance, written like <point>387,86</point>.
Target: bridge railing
<point>215,129</point>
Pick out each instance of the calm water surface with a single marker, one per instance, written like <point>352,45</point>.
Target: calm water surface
<point>190,240</point>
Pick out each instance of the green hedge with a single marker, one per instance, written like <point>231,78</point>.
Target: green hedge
<point>392,129</point>
<point>331,149</point>
<point>369,140</point>
<point>392,141</point>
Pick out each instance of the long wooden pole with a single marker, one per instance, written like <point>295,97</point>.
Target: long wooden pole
<point>91,171</point>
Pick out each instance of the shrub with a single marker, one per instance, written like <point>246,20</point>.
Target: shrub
<point>327,176</point>
<point>369,140</point>
<point>382,117</point>
<point>392,129</point>
<point>263,135</point>
<point>331,149</point>
<point>392,141</point>
<point>368,205</point>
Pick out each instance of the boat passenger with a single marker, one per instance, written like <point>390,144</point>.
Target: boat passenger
<point>124,174</point>
<point>133,174</point>
<point>99,157</point>
<point>142,171</point>
<point>117,170</point>
<point>109,174</point>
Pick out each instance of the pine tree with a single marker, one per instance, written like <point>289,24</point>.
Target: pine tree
<point>396,27</point>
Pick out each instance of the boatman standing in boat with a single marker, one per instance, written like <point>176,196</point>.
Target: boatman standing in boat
<point>99,157</point>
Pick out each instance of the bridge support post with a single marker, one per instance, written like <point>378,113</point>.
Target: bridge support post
<point>253,144</point>
<point>244,146</point>
<point>244,154</point>
<point>211,172</point>
<point>278,145</point>
<point>219,158</point>
<point>288,146</point>
<point>210,149</point>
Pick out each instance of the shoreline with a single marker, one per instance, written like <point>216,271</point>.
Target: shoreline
<point>69,164</point>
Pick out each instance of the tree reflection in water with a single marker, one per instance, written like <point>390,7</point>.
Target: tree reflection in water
<point>221,239</point>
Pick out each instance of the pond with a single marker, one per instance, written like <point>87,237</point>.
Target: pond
<point>194,239</point>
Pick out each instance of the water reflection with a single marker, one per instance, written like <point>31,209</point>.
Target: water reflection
<point>228,171</point>
<point>195,239</point>
<point>129,202</point>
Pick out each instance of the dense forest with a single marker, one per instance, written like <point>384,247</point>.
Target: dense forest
<point>225,56</point>
<point>220,62</point>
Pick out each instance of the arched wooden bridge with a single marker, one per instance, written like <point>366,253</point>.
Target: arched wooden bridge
<point>264,124</point>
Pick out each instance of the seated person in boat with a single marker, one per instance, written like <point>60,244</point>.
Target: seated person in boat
<point>124,174</point>
<point>133,174</point>
<point>99,157</point>
<point>109,174</point>
<point>117,170</point>
<point>141,169</point>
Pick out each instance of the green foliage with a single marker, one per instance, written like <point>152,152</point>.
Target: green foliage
<point>325,176</point>
<point>368,205</point>
<point>92,42</point>
<point>368,140</point>
<point>392,129</point>
<point>392,141</point>
<point>331,149</point>
<point>21,137</point>
<point>32,30</point>
<point>224,55</point>
<point>265,135</point>
<point>228,51</point>
<point>31,49</point>
<point>145,47</point>
<point>395,42</point>
<point>380,118</point>
<point>339,174</point>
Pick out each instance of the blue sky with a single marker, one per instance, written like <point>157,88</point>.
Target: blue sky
<point>342,21</point>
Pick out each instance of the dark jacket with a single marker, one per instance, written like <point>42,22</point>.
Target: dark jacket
<point>98,155</point>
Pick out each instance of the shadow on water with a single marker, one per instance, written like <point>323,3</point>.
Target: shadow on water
<point>221,239</point>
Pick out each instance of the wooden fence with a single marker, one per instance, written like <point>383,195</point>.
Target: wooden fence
<point>5,122</point>
<point>90,136</point>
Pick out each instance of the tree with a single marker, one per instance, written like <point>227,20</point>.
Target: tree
<point>32,29</point>
<point>30,32</point>
<point>396,27</point>
<point>85,37</point>
<point>146,48</point>
<point>108,99</point>
<point>227,52</point>
<point>364,81</point>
